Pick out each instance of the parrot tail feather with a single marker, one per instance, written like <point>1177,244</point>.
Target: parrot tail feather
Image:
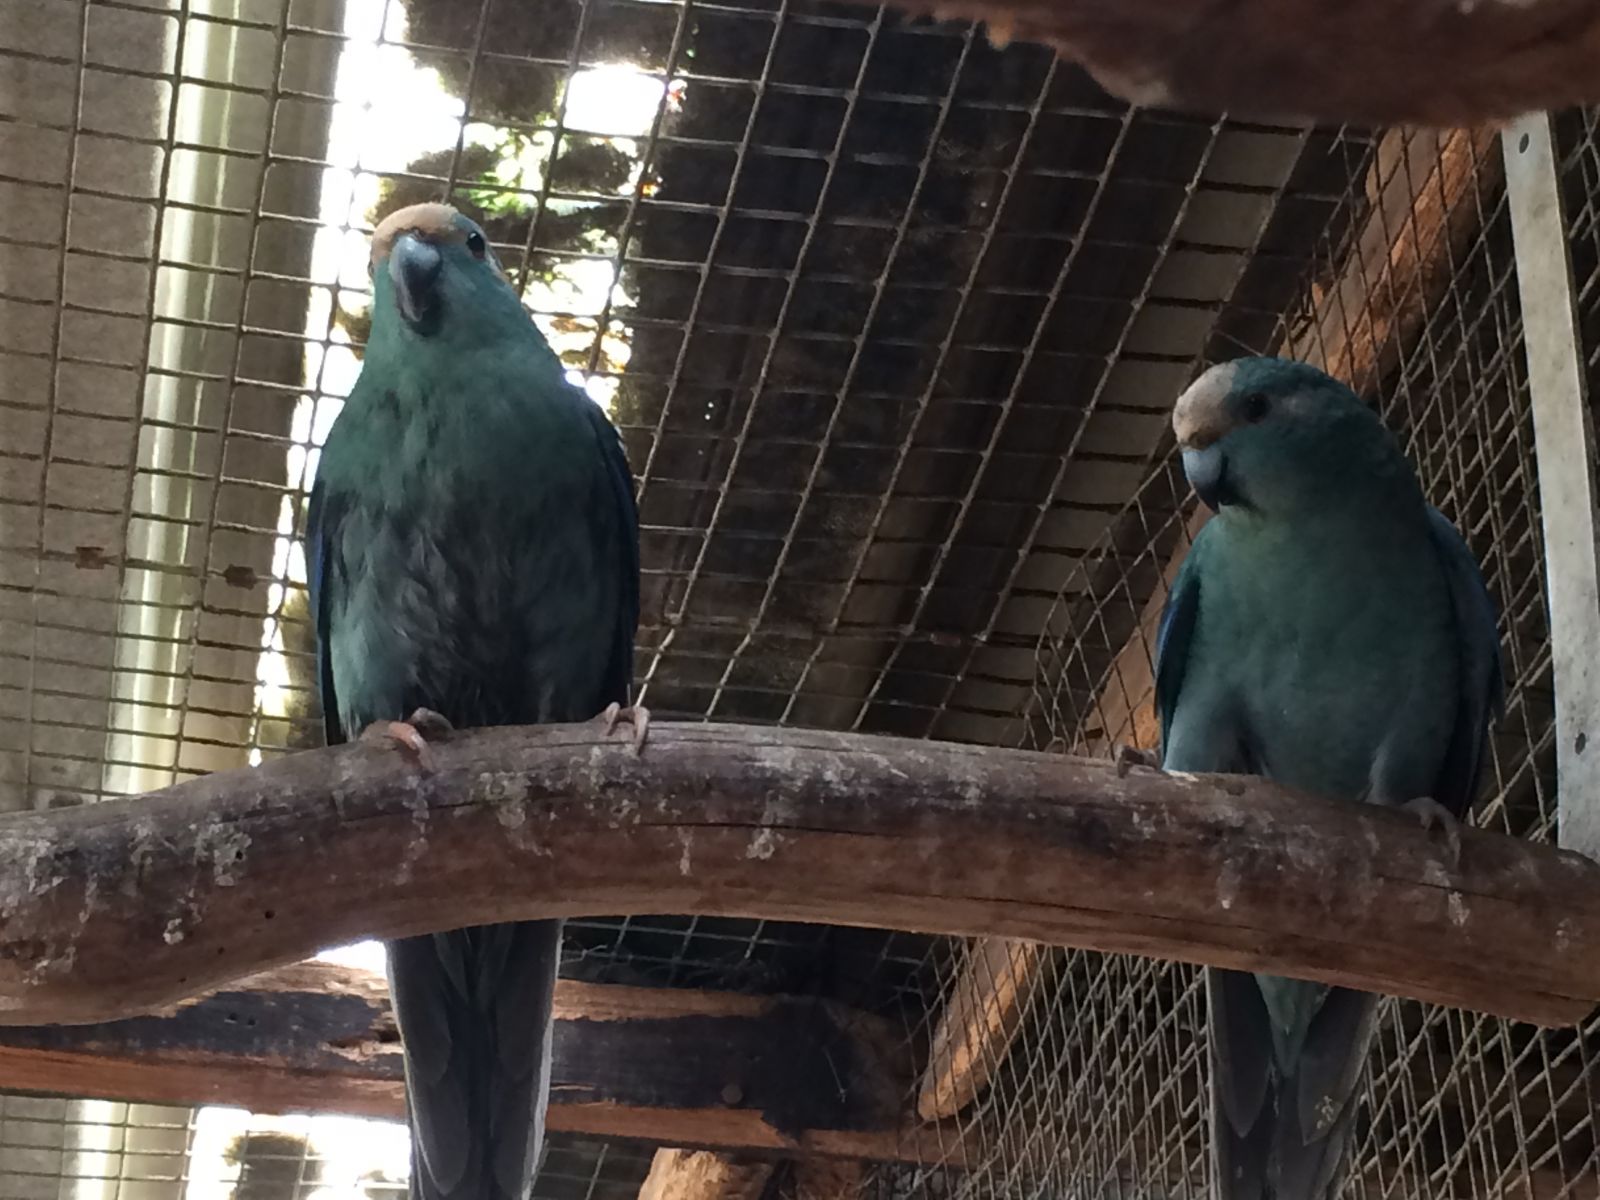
<point>1283,1108</point>
<point>474,1008</point>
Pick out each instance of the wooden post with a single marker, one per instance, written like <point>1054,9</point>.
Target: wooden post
<point>1564,442</point>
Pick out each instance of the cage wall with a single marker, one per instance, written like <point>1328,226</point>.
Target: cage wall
<point>1458,1105</point>
<point>891,321</point>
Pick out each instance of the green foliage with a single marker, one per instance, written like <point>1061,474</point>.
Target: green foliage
<point>477,162</point>
<point>592,166</point>
<point>502,91</point>
<point>273,1166</point>
<point>506,164</point>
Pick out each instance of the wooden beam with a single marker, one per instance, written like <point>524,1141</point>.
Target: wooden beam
<point>983,1011</point>
<point>1421,190</point>
<point>1399,264</point>
<point>116,907</point>
<point>677,1174</point>
<point>1366,62</point>
<point>1564,442</point>
<point>705,1175</point>
<point>755,1074</point>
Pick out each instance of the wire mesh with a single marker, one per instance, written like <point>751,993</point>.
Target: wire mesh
<point>1457,1105</point>
<point>890,320</point>
<point>56,1149</point>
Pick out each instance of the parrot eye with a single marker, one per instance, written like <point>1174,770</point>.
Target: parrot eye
<point>477,245</point>
<point>1255,407</point>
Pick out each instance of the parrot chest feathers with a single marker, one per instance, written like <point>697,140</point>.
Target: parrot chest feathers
<point>1349,633</point>
<point>478,572</point>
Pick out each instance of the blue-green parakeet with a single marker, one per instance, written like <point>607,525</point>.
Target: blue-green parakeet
<point>1331,631</point>
<point>473,555</point>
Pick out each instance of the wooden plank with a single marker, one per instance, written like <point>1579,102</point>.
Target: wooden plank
<point>752,1073</point>
<point>983,1012</point>
<point>1398,266</point>
<point>1422,216</point>
<point>704,1175</point>
<point>116,907</point>
<point>1366,62</point>
<point>1564,442</point>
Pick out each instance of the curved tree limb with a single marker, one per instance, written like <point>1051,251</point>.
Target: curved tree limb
<point>113,908</point>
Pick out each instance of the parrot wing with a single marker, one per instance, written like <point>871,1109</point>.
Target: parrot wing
<point>321,529</point>
<point>1481,678</point>
<point>619,673</point>
<point>1178,617</point>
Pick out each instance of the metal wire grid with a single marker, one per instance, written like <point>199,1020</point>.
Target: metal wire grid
<point>1458,1105</point>
<point>160,248</point>
<point>55,1149</point>
<point>852,569</point>
<point>816,308</point>
<point>1099,1093</point>
<point>883,971</point>
<point>927,244</point>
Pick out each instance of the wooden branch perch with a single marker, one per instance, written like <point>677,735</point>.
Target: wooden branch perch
<point>109,909</point>
<point>1435,62</point>
<point>662,1064</point>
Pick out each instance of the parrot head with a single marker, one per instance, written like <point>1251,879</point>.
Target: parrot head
<point>1268,434</point>
<point>433,270</point>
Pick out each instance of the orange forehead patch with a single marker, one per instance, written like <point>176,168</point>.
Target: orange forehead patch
<point>1200,416</point>
<point>432,222</point>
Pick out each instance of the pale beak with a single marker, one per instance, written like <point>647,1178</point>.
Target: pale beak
<point>414,267</point>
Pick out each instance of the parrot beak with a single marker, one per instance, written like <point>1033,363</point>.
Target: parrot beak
<point>1207,471</point>
<point>414,267</point>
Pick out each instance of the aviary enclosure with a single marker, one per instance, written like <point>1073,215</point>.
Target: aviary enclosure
<point>891,312</point>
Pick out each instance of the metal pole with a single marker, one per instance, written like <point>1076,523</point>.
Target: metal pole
<point>1564,443</point>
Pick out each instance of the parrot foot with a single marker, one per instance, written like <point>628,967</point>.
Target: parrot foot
<point>636,715</point>
<point>1127,757</point>
<point>412,734</point>
<point>1432,815</point>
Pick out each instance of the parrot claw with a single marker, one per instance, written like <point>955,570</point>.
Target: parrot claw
<point>636,715</point>
<point>430,724</point>
<point>409,734</point>
<point>1127,757</point>
<point>1433,815</point>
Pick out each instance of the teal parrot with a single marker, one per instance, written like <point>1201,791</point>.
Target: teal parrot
<point>1331,631</point>
<point>472,551</point>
